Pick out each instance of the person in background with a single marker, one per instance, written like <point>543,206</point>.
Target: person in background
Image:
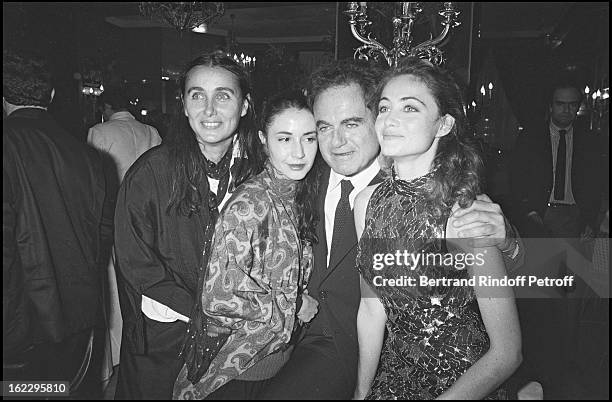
<point>54,221</point>
<point>121,139</point>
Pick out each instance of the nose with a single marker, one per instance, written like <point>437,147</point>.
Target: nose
<point>297,151</point>
<point>210,109</point>
<point>390,120</point>
<point>338,138</point>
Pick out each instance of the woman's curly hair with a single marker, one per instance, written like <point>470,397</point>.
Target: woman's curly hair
<point>457,164</point>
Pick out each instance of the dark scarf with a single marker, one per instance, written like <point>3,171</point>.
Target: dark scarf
<point>199,348</point>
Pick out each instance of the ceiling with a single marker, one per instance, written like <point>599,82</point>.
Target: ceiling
<point>312,21</point>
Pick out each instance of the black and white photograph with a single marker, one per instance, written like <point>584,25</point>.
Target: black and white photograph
<point>305,200</point>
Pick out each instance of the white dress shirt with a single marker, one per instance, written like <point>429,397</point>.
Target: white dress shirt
<point>359,181</point>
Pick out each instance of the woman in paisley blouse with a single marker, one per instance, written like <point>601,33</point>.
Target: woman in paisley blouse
<point>254,291</point>
<point>452,340</point>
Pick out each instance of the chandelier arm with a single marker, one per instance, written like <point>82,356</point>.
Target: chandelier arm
<point>435,41</point>
<point>369,42</point>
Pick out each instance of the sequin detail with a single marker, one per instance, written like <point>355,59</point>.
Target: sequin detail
<point>434,333</point>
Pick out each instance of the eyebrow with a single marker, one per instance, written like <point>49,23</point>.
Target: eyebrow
<point>406,98</point>
<point>290,133</point>
<point>216,89</point>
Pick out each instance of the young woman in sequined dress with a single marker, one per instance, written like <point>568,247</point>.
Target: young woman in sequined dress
<point>445,340</point>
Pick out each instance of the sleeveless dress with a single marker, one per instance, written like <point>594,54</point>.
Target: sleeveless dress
<point>434,333</point>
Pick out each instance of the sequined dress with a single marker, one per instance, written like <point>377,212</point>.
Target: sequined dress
<point>434,333</point>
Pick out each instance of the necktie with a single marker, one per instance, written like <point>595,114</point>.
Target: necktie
<point>344,236</point>
<point>560,168</point>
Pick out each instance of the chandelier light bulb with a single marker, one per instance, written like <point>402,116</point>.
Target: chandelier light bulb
<point>587,90</point>
<point>482,90</point>
<point>490,86</point>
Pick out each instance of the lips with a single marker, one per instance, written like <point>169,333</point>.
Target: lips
<point>296,166</point>
<point>343,154</point>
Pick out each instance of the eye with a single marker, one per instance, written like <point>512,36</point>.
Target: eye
<point>222,96</point>
<point>383,109</point>
<point>310,140</point>
<point>322,129</point>
<point>351,125</point>
<point>198,96</point>
<point>283,139</point>
<point>409,108</point>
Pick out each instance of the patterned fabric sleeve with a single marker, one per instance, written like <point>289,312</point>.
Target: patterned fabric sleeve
<point>233,293</point>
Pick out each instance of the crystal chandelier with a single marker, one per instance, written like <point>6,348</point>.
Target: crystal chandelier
<point>245,60</point>
<point>405,15</point>
<point>184,15</point>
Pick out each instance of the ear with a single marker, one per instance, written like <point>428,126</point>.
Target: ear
<point>183,103</point>
<point>447,124</point>
<point>245,105</point>
<point>262,137</point>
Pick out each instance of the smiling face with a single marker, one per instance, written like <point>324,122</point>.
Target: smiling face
<point>213,104</point>
<point>409,123</point>
<point>291,142</point>
<point>345,128</point>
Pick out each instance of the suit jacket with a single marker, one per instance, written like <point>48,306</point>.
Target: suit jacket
<point>53,205</point>
<point>532,175</point>
<point>337,290</point>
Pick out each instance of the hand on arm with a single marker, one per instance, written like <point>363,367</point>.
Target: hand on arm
<point>309,309</point>
<point>485,224</point>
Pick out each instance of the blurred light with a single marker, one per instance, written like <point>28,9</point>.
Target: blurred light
<point>598,93</point>
<point>606,93</point>
<point>594,96</point>
<point>482,90</point>
<point>143,112</point>
<point>101,87</point>
<point>587,90</point>
<point>499,152</point>
<point>202,28</point>
<point>520,128</point>
<point>490,86</point>
<point>165,78</point>
<point>473,104</point>
<point>144,81</point>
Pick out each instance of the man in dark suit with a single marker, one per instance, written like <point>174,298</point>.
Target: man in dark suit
<point>324,362</point>
<point>555,183</point>
<point>53,201</point>
<point>558,191</point>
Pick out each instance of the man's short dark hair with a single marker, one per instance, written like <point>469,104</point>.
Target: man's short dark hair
<point>116,98</point>
<point>344,73</point>
<point>26,79</point>
<point>562,82</point>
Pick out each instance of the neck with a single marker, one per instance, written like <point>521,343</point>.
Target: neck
<point>214,152</point>
<point>413,166</point>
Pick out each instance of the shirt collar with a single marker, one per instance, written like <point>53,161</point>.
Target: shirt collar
<point>359,181</point>
<point>123,115</point>
<point>554,129</point>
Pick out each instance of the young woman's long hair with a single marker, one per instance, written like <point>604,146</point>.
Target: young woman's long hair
<point>186,160</point>
<point>307,188</point>
<point>457,163</point>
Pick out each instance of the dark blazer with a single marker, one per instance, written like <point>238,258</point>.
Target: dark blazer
<point>532,176</point>
<point>337,290</point>
<point>53,201</point>
<point>158,254</point>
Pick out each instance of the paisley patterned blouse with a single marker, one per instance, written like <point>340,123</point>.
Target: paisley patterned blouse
<point>256,272</point>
